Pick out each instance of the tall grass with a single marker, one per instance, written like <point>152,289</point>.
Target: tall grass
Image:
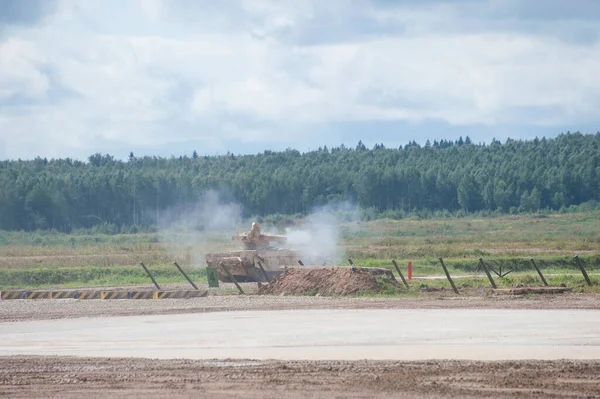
<point>431,266</point>
<point>95,276</point>
<point>44,257</point>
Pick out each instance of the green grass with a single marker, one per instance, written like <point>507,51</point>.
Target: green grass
<point>50,238</point>
<point>432,266</point>
<point>95,276</point>
<point>124,275</point>
<point>47,259</point>
<point>481,286</point>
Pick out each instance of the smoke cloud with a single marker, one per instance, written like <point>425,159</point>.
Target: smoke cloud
<point>318,239</point>
<point>189,232</point>
<point>193,230</point>
<point>209,213</point>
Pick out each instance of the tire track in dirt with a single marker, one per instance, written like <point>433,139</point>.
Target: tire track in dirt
<point>36,377</point>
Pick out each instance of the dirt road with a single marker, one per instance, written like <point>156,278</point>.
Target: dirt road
<point>318,334</point>
<point>15,310</point>
<point>33,377</point>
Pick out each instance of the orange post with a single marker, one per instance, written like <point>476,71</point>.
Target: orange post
<point>410,270</point>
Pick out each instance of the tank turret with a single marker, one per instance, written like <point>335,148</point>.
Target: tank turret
<point>258,247</point>
<point>254,239</point>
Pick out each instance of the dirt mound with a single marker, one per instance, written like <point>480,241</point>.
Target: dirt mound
<point>331,281</point>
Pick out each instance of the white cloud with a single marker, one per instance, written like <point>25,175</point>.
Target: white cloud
<point>20,66</point>
<point>176,72</point>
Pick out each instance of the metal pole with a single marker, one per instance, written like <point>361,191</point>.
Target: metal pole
<point>539,272</point>
<point>448,275</point>
<point>488,273</point>
<point>150,275</point>
<point>400,273</point>
<point>264,272</point>
<point>231,277</point>
<point>185,275</point>
<point>585,275</point>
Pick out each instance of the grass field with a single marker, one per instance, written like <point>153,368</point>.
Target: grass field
<point>43,259</point>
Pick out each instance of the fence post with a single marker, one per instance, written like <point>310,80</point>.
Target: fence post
<point>585,275</point>
<point>185,275</point>
<point>448,275</point>
<point>231,277</point>
<point>150,275</point>
<point>264,272</point>
<point>539,272</point>
<point>485,268</point>
<point>400,273</point>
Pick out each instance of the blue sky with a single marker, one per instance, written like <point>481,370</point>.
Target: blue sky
<point>166,77</point>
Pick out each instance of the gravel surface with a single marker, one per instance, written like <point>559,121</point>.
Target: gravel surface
<point>64,377</point>
<point>50,377</point>
<point>15,310</point>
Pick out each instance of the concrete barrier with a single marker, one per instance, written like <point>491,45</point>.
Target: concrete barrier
<point>86,295</point>
<point>13,294</point>
<point>61,294</point>
<point>141,294</point>
<point>179,294</point>
<point>112,294</point>
<point>39,295</point>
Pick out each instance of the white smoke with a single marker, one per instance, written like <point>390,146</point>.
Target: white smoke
<point>215,215</point>
<point>189,232</point>
<point>205,226</point>
<point>208,213</point>
<point>318,239</point>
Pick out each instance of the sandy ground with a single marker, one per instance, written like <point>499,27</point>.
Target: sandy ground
<point>16,310</point>
<point>30,377</point>
<point>33,377</point>
<point>318,335</point>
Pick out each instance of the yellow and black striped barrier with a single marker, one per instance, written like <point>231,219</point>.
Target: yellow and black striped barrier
<point>114,295</point>
<point>13,294</point>
<point>141,294</point>
<point>86,295</point>
<point>40,295</point>
<point>18,294</point>
<point>63,294</point>
<point>179,294</point>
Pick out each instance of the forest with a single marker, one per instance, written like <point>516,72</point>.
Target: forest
<point>450,176</point>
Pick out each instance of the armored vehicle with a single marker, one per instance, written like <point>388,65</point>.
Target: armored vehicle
<point>257,248</point>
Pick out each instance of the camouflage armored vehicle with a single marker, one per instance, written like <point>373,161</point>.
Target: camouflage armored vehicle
<point>258,247</point>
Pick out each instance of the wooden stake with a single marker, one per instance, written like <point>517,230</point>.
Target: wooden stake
<point>487,271</point>
<point>539,272</point>
<point>264,272</point>
<point>400,273</point>
<point>150,275</point>
<point>585,275</point>
<point>448,275</point>
<point>231,277</point>
<point>185,275</point>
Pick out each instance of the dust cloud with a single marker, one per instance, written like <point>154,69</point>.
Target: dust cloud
<point>199,228</point>
<point>318,239</point>
<point>206,226</point>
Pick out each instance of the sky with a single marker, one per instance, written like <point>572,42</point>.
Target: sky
<point>167,77</point>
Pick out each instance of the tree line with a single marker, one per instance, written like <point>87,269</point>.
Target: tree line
<point>514,176</point>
